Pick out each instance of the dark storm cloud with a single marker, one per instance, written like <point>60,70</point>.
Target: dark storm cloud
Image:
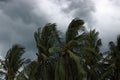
<point>18,23</point>
<point>21,9</point>
<point>19,19</point>
<point>83,9</point>
<point>4,0</point>
<point>12,32</point>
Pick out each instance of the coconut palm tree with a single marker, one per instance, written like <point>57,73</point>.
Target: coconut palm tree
<point>29,72</point>
<point>112,71</point>
<point>46,38</point>
<point>91,54</point>
<point>13,61</point>
<point>67,65</point>
<point>117,64</point>
<point>63,59</point>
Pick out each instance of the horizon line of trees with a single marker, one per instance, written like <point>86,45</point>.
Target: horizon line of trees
<point>76,56</point>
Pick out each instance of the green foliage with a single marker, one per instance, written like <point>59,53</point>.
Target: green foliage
<point>60,69</point>
<point>76,57</point>
<point>13,61</point>
<point>73,29</point>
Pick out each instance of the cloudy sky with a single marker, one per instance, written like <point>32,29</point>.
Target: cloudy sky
<point>19,19</point>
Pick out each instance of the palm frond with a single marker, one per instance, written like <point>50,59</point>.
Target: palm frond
<point>73,29</point>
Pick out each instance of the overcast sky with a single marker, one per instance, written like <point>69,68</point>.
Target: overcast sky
<point>19,19</point>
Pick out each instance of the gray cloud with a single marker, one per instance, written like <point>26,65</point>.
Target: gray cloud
<point>20,18</point>
<point>12,32</point>
<point>116,2</point>
<point>107,20</point>
<point>18,23</point>
<point>22,9</point>
<point>3,0</point>
<point>83,9</point>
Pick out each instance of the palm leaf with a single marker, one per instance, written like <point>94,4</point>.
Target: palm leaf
<point>80,68</point>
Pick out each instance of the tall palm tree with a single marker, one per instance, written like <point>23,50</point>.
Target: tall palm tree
<point>13,61</point>
<point>67,65</point>
<point>46,38</point>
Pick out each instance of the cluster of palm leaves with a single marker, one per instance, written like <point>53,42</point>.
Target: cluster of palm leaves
<point>74,56</point>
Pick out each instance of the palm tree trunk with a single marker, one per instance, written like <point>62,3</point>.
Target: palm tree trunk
<point>117,75</point>
<point>93,76</point>
<point>10,78</point>
<point>117,70</point>
<point>68,69</point>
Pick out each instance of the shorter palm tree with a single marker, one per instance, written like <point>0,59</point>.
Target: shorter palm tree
<point>112,61</point>
<point>13,61</point>
<point>91,54</point>
<point>29,72</point>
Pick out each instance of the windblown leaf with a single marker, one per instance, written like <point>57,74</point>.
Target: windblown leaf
<point>81,71</point>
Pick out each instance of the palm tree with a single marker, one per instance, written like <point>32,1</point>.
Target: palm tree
<point>29,72</point>
<point>91,54</point>
<point>74,56</point>
<point>117,64</point>
<point>113,58</point>
<point>46,38</point>
<point>67,65</point>
<point>13,61</point>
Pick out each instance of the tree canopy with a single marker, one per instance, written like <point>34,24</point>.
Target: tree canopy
<point>74,56</point>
